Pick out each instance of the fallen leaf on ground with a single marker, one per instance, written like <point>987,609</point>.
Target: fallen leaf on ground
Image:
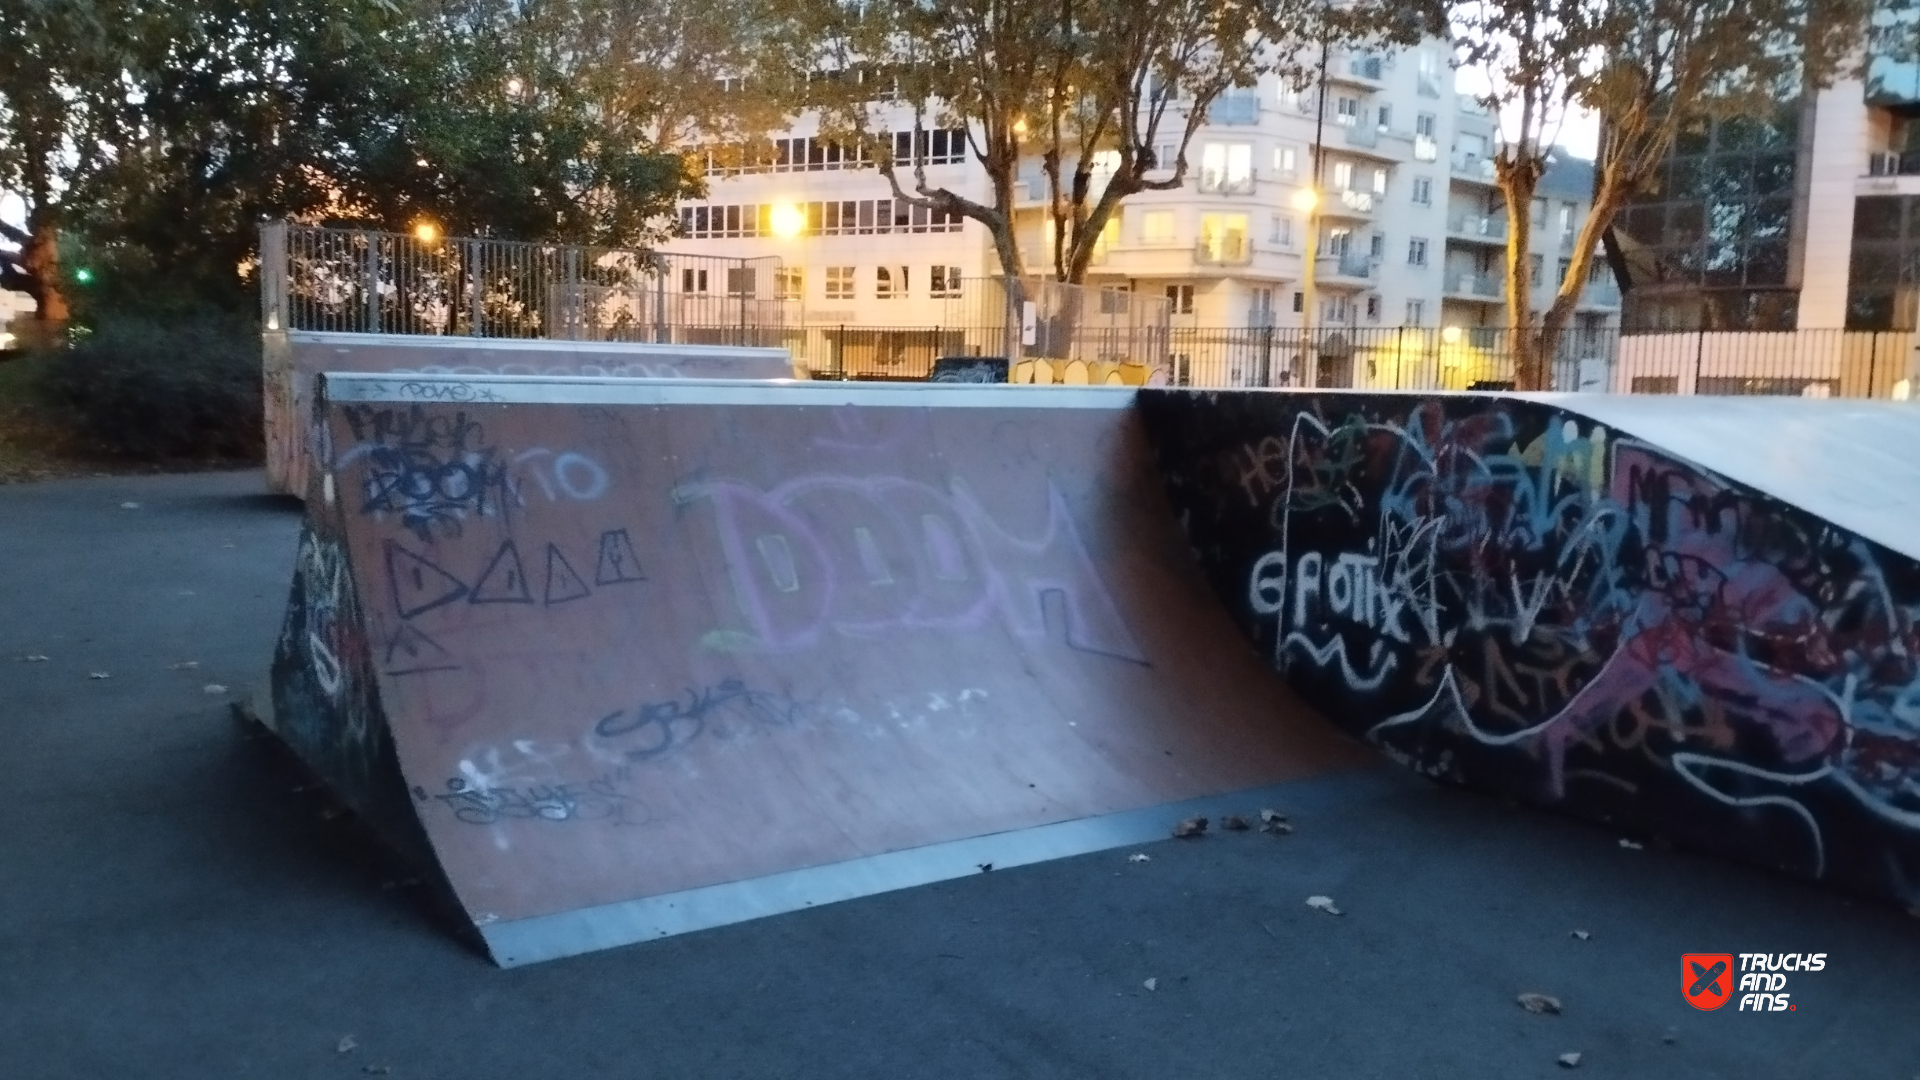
<point>184,665</point>
<point>1274,821</point>
<point>36,658</point>
<point>1192,826</point>
<point>1234,822</point>
<point>1539,1003</point>
<point>985,866</point>
<point>129,506</point>
<point>1137,857</point>
<point>1570,1060</point>
<point>98,675</point>
<point>1631,845</point>
<point>1151,983</point>
<point>226,545</point>
<point>346,1044</point>
<point>1323,903</point>
<point>214,688</point>
<point>1581,934</point>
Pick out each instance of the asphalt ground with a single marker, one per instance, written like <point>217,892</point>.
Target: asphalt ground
<point>173,904</point>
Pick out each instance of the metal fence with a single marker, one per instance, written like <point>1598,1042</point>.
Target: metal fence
<point>1812,363</point>
<point>357,281</point>
<point>1045,319</point>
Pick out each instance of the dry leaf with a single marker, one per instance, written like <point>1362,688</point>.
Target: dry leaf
<point>99,675</point>
<point>1137,857</point>
<point>36,658</point>
<point>214,688</point>
<point>1234,822</point>
<point>184,665</point>
<point>1151,983</point>
<point>1323,903</point>
<point>1192,826</point>
<point>1581,934</point>
<point>1539,1003</point>
<point>1570,1060</point>
<point>346,1044</point>
<point>1274,821</point>
<point>129,506</point>
<point>1631,845</point>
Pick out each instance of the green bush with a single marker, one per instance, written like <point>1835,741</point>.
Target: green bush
<point>183,388</point>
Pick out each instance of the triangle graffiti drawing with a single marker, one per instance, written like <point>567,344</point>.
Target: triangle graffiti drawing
<point>504,581</point>
<point>562,583</point>
<point>419,585</point>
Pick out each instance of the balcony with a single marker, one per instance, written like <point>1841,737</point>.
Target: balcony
<point>1349,204</point>
<point>1600,295</point>
<point>1477,287</point>
<point>1216,182</point>
<point>1344,269</point>
<point>1425,149</point>
<point>1489,229</point>
<point>1472,168</point>
<point>1230,249</point>
<point>1881,163</point>
<point>1359,69</point>
<point>1232,110</point>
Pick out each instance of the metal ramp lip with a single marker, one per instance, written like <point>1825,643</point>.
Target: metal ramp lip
<point>628,922</point>
<point>599,390</point>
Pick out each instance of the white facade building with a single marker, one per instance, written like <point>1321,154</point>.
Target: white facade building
<point>1412,230</point>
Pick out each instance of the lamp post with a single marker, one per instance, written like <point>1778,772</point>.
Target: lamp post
<point>789,222</point>
<point>1307,200</point>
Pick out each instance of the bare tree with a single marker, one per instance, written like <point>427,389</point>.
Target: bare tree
<point>1650,69</point>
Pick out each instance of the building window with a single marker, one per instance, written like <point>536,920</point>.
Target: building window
<point>1180,299</point>
<point>837,218</point>
<point>1343,175</point>
<point>1566,219</point>
<point>789,283</point>
<point>1565,265</point>
<point>1536,265</point>
<point>1285,160</point>
<point>889,282</point>
<point>1156,227</point>
<point>1226,167</point>
<point>1379,181</point>
<point>839,282</point>
<point>1346,111</point>
<point>1423,190</point>
<point>1416,312</point>
<point>1260,308</point>
<point>1417,252</point>
<point>943,282</point>
<point>1385,117</point>
<point>1377,245</point>
<point>693,281</point>
<point>1338,240</point>
<point>1373,307</point>
<point>1223,237</point>
<point>1167,156</point>
<point>1299,302</point>
<point>1426,124</point>
<point>1281,233</point>
<point>1336,310</point>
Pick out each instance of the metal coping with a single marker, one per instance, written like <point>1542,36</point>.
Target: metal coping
<point>550,937</point>
<point>599,390</point>
<point>455,341</point>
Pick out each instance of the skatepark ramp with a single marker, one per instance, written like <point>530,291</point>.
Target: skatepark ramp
<point>623,658</point>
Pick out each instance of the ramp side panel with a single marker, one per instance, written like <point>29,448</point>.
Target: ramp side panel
<point>1505,593</point>
<point>634,650</point>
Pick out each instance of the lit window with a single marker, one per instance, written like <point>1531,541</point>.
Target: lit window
<point>943,282</point>
<point>1180,299</point>
<point>789,283</point>
<point>1156,227</point>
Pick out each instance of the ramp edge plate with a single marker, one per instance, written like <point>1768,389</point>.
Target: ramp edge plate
<point>551,937</point>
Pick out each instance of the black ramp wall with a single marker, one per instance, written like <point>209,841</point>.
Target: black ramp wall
<point>1507,593</point>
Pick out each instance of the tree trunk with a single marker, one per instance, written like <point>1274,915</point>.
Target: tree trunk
<point>1517,183</point>
<point>40,258</point>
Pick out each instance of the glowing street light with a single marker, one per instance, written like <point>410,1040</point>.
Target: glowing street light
<point>426,232</point>
<point>787,221</point>
<point>1450,335</point>
<point>1306,199</point>
<point>515,86</point>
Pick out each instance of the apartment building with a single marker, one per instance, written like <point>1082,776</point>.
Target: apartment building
<point>1808,219</point>
<point>1411,230</point>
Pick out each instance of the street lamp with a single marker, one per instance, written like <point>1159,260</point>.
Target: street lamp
<point>788,221</point>
<point>426,232</point>
<point>1307,201</point>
